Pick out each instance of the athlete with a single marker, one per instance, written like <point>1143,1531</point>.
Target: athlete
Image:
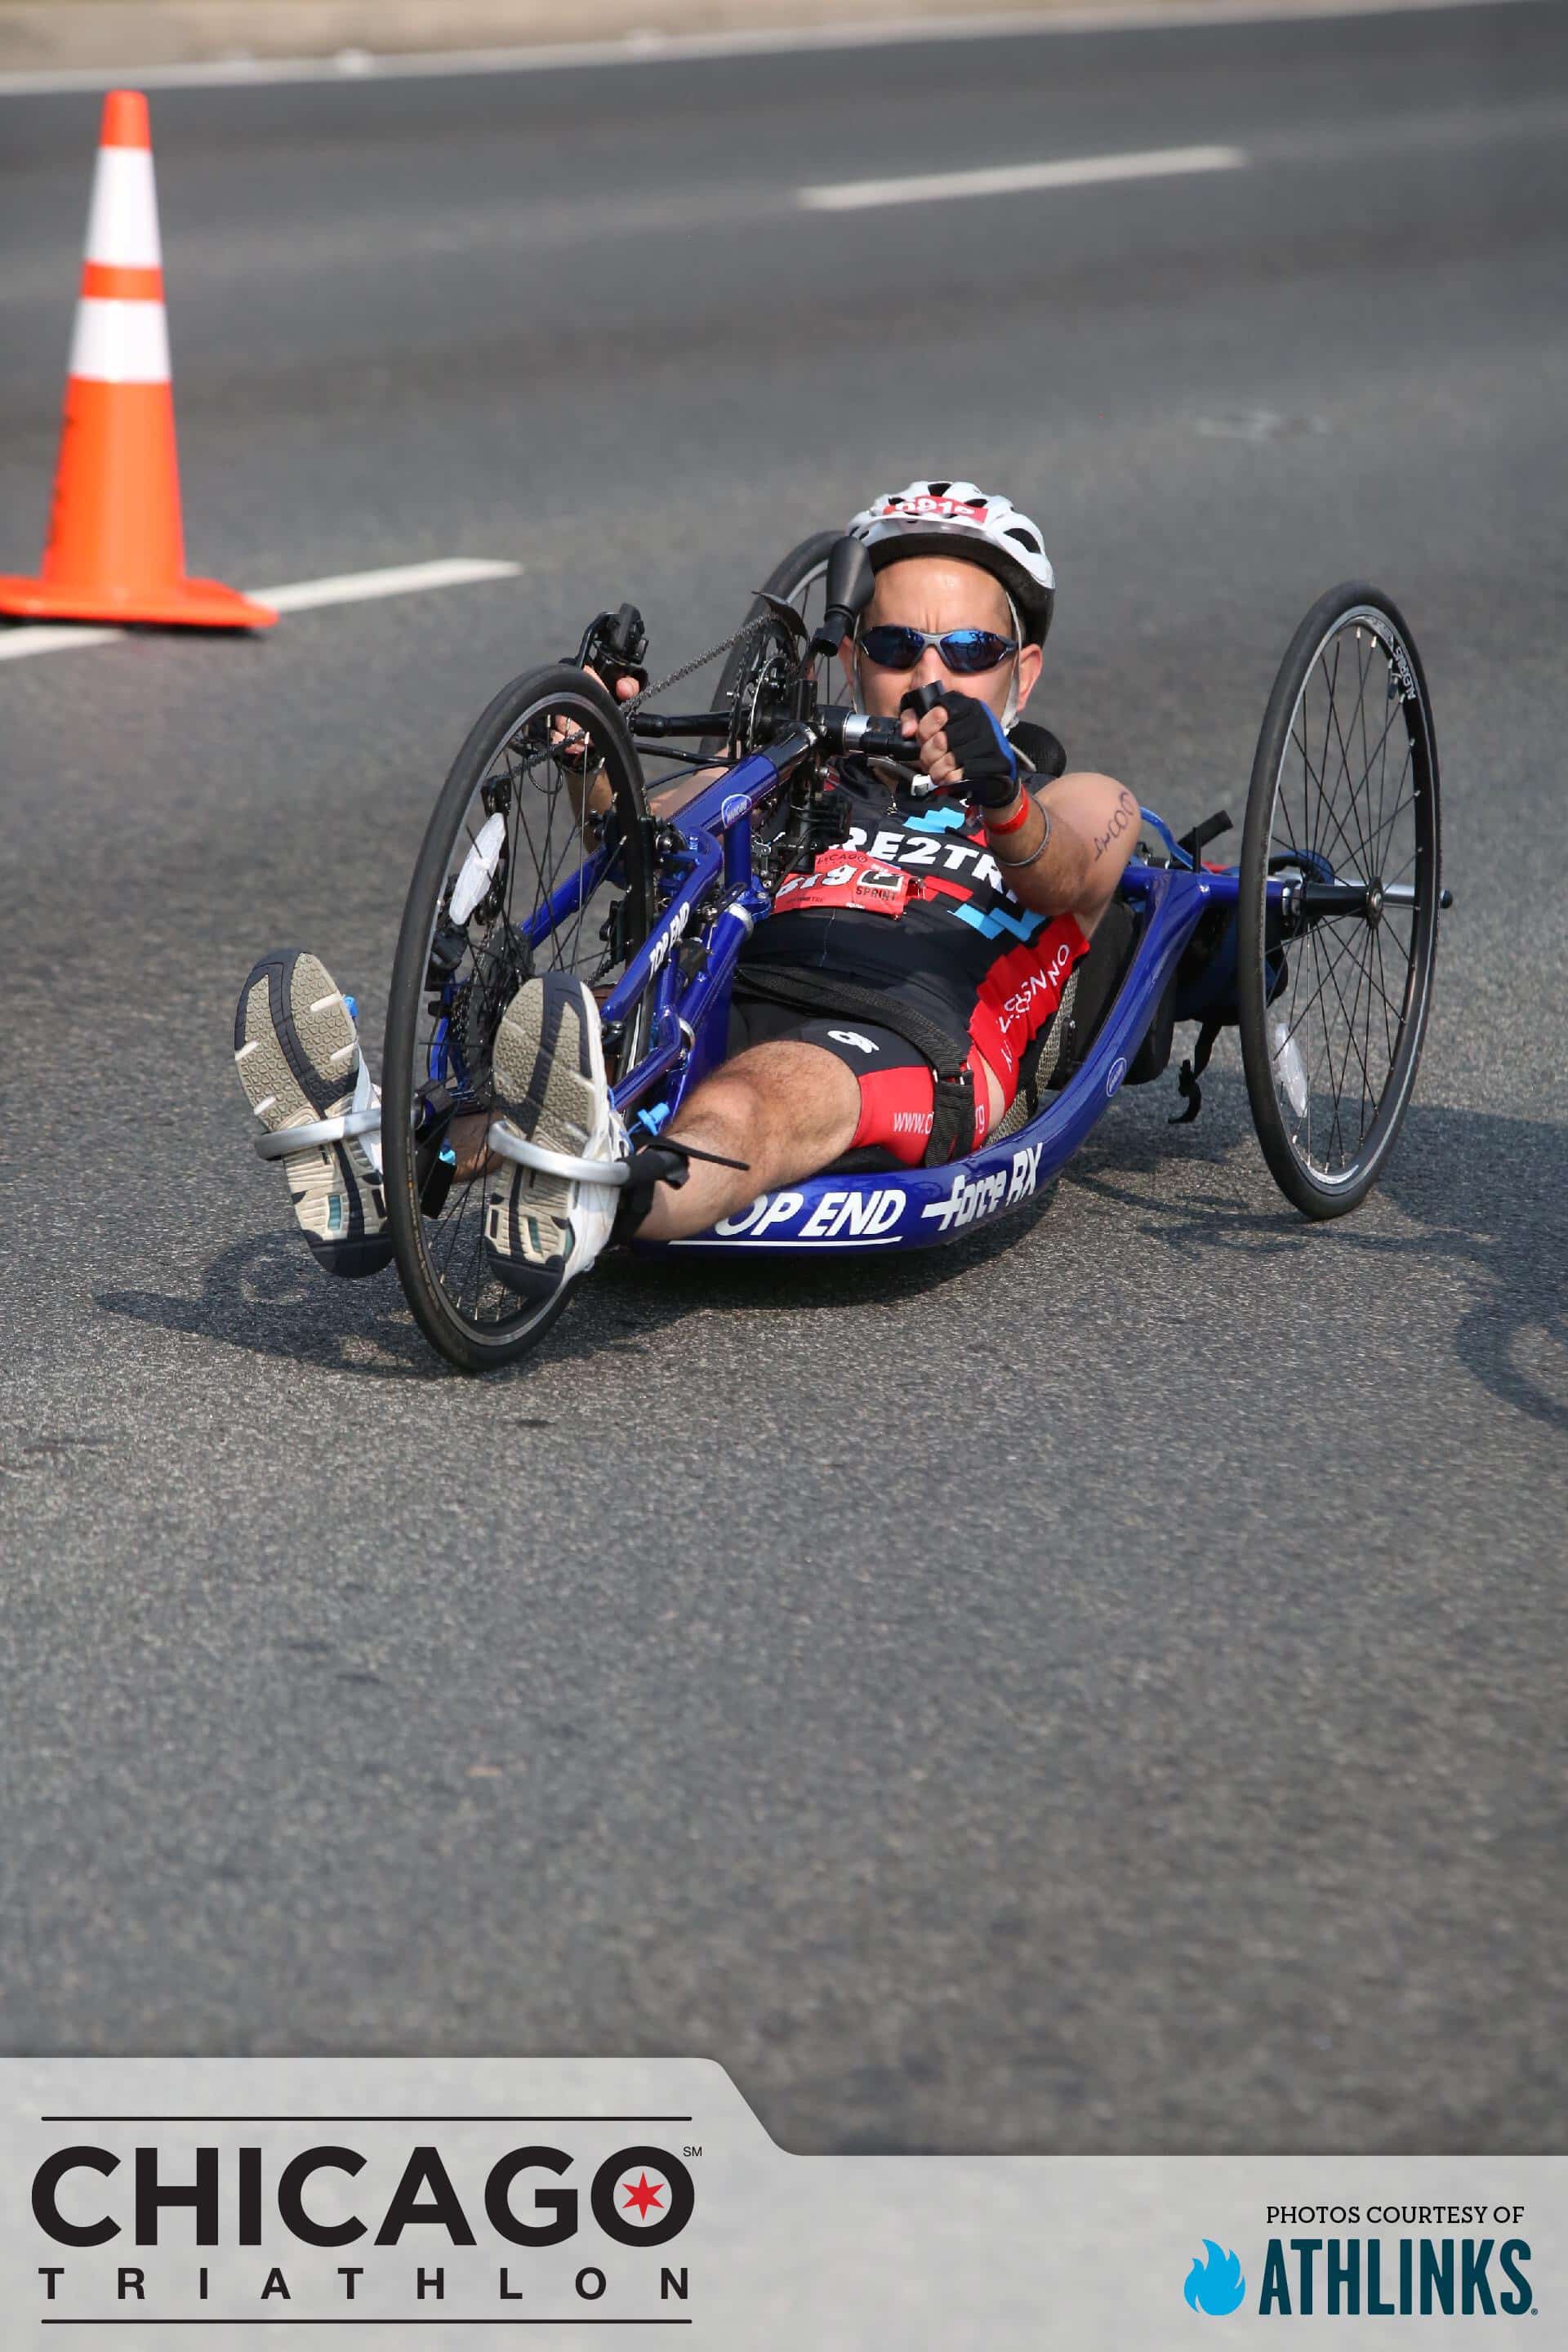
<point>892,1004</point>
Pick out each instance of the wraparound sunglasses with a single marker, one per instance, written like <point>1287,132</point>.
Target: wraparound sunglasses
<point>965,652</point>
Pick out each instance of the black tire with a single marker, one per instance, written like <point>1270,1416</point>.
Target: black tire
<point>510,766</point>
<point>1345,789</point>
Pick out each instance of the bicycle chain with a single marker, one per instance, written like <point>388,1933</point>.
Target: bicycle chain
<point>725,646</point>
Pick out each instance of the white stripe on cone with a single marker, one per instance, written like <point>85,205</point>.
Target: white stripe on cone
<point>122,224</point>
<point>121,343</point>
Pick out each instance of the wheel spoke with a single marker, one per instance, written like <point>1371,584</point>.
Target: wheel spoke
<point>1345,949</point>
<point>1383,975</point>
<point>1332,681</point>
<point>1353,951</point>
<point>1392,818</point>
<point>1345,1060</point>
<point>1326,809</point>
<point>1345,772</point>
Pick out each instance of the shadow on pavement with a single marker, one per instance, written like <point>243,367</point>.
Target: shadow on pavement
<point>1489,1191</point>
<point>266,1295</point>
<point>1491,1194</point>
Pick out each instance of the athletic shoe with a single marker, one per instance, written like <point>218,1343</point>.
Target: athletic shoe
<point>297,1048</point>
<point>541,1231</point>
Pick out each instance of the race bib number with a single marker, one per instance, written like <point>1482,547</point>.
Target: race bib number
<point>847,877</point>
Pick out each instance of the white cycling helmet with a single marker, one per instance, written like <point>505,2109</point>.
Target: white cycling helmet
<point>959,520</point>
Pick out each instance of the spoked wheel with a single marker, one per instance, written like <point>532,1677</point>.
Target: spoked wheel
<point>1334,983</point>
<point>536,859</point>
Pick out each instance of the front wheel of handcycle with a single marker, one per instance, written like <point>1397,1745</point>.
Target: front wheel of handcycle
<point>536,859</point>
<point>1335,985</point>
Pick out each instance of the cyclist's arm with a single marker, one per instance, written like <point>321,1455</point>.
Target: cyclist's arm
<point>671,797</point>
<point>592,798</point>
<point>1089,827</point>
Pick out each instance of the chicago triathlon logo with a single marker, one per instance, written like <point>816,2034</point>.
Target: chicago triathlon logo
<point>1216,2286</point>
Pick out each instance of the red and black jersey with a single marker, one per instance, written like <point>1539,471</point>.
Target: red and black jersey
<point>914,905</point>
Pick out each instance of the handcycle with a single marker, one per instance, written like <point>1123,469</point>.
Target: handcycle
<point>543,852</point>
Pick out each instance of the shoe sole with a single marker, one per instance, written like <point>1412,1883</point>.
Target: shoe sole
<point>550,1095</point>
<point>295,1047</point>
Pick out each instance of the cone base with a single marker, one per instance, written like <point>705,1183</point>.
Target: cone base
<point>182,605</point>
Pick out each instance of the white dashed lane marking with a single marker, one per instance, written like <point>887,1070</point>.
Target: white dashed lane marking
<point>20,640</point>
<point>1011,179</point>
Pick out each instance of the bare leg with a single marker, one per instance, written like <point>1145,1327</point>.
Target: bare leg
<point>785,1109</point>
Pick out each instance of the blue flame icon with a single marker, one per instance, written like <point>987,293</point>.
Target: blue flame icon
<point>1215,2286</point>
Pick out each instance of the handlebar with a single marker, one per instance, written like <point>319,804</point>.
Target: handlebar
<point>855,730</point>
<point>837,729</point>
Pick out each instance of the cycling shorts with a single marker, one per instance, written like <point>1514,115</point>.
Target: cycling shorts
<point>898,1087</point>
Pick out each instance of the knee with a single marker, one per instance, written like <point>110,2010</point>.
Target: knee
<point>730,1098</point>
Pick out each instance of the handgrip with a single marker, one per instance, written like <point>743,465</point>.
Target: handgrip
<point>854,731</point>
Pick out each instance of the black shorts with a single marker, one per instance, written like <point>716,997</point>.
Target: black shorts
<point>898,1086</point>
<point>757,1022</point>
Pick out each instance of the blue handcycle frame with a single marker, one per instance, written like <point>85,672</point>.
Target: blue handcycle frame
<point>906,1208</point>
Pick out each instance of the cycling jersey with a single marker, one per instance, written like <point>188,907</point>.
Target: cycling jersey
<point>915,906</point>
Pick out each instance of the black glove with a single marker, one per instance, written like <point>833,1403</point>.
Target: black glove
<point>976,740</point>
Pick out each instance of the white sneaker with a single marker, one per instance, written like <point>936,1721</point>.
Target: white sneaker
<point>296,1044</point>
<point>543,1229</point>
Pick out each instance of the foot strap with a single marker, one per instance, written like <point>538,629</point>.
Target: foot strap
<point>287,1141</point>
<point>362,1117</point>
<point>664,1162</point>
<point>506,1144</point>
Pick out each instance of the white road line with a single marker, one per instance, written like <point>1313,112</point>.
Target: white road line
<point>682,48</point>
<point>1007,179</point>
<point>400,579</point>
<point>18,640</point>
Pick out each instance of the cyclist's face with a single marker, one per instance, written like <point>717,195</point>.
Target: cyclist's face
<point>938,594</point>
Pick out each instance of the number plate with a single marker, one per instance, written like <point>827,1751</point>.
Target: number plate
<point>847,877</point>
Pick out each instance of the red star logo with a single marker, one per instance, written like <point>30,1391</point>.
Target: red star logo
<point>646,2193</point>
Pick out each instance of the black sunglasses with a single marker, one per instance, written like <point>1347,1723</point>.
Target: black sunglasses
<point>965,652</point>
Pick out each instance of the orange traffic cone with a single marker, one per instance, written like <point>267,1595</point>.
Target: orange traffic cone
<point>116,552</point>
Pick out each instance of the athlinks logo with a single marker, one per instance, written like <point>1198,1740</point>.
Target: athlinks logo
<point>1216,2286</point>
<point>1476,2275</point>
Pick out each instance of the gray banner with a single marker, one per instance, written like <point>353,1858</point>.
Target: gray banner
<point>387,2203</point>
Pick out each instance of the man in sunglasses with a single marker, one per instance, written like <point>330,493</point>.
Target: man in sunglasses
<point>904,988</point>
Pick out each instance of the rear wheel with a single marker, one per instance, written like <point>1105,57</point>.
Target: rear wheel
<point>1334,989</point>
<point>536,859</point>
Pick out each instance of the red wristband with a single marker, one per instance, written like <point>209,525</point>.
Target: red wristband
<point>1012,824</point>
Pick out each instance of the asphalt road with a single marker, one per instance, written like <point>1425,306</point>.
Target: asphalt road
<point>1095,1687</point>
